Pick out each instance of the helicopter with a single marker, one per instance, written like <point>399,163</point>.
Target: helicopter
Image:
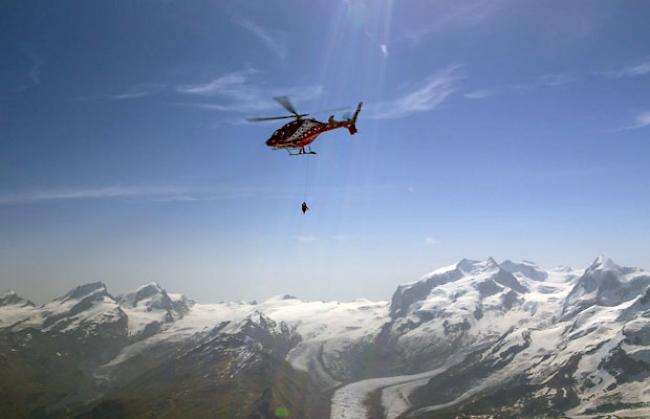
<point>301,132</point>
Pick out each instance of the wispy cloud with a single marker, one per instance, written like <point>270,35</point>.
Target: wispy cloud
<point>558,79</point>
<point>641,121</point>
<point>446,15</point>
<point>227,85</point>
<point>155,192</point>
<point>384,49</point>
<point>150,193</point>
<point>543,81</point>
<point>240,92</point>
<point>430,241</point>
<point>435,90</point>
<point>638,69</point>
<point>275,41</point>
<point>139,90</point>
<point>479,94</point>
<point>34,72</point>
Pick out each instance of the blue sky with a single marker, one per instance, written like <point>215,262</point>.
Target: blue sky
<point>513,129</point>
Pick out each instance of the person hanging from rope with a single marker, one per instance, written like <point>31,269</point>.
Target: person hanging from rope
<point>304,207</point>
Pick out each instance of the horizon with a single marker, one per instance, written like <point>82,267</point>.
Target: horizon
<point>505,128</point>
<point>121,293</point>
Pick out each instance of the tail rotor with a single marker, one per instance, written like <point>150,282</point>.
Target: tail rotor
<point>353,121</point>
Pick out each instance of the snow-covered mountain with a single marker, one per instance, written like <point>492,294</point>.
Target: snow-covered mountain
<point>149,307</point>
<point>574,356</point>
<point>508,339</point>
<point>467,305</point>
<point>10,298</point>
<point>13,308</point>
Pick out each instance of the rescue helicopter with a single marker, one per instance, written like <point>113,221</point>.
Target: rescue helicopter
<point>301,132</point>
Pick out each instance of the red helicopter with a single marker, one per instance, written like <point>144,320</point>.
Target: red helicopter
<point>299,133</point>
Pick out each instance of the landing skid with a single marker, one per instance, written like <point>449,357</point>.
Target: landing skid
<point>301,152</point>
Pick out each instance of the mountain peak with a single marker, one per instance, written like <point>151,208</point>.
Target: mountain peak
<point>10,297</point>
<point>153,293</point>
<point>603,263</point>
<point>7,294</point>
<point>281,297</point>
<point>473,266</point>
<point>85,290</point>
<point>150,288</point>
<point>605,284</point>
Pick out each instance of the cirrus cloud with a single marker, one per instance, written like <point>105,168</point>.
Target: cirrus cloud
<point>240,92</point>
<point>275,41</point>
<point>431,94</point>
<point>641,121</point>
<point>640,68</point>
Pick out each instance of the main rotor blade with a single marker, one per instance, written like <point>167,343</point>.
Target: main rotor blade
<point>273,118</point>
<point>270,118</point>
<point>286,104</point>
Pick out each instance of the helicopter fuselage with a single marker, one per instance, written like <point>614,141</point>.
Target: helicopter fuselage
<point>302,132</point>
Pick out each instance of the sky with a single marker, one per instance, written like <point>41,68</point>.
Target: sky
<point>506,128</point>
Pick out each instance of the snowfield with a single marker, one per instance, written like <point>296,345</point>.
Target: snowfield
<point>349,401</point>
<point>578,334</point>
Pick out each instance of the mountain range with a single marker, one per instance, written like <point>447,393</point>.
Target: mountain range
<point>478,339</point>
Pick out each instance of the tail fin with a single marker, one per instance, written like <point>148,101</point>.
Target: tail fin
<point>353,122</point>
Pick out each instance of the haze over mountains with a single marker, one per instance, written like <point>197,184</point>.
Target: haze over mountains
<point>509,339</point>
